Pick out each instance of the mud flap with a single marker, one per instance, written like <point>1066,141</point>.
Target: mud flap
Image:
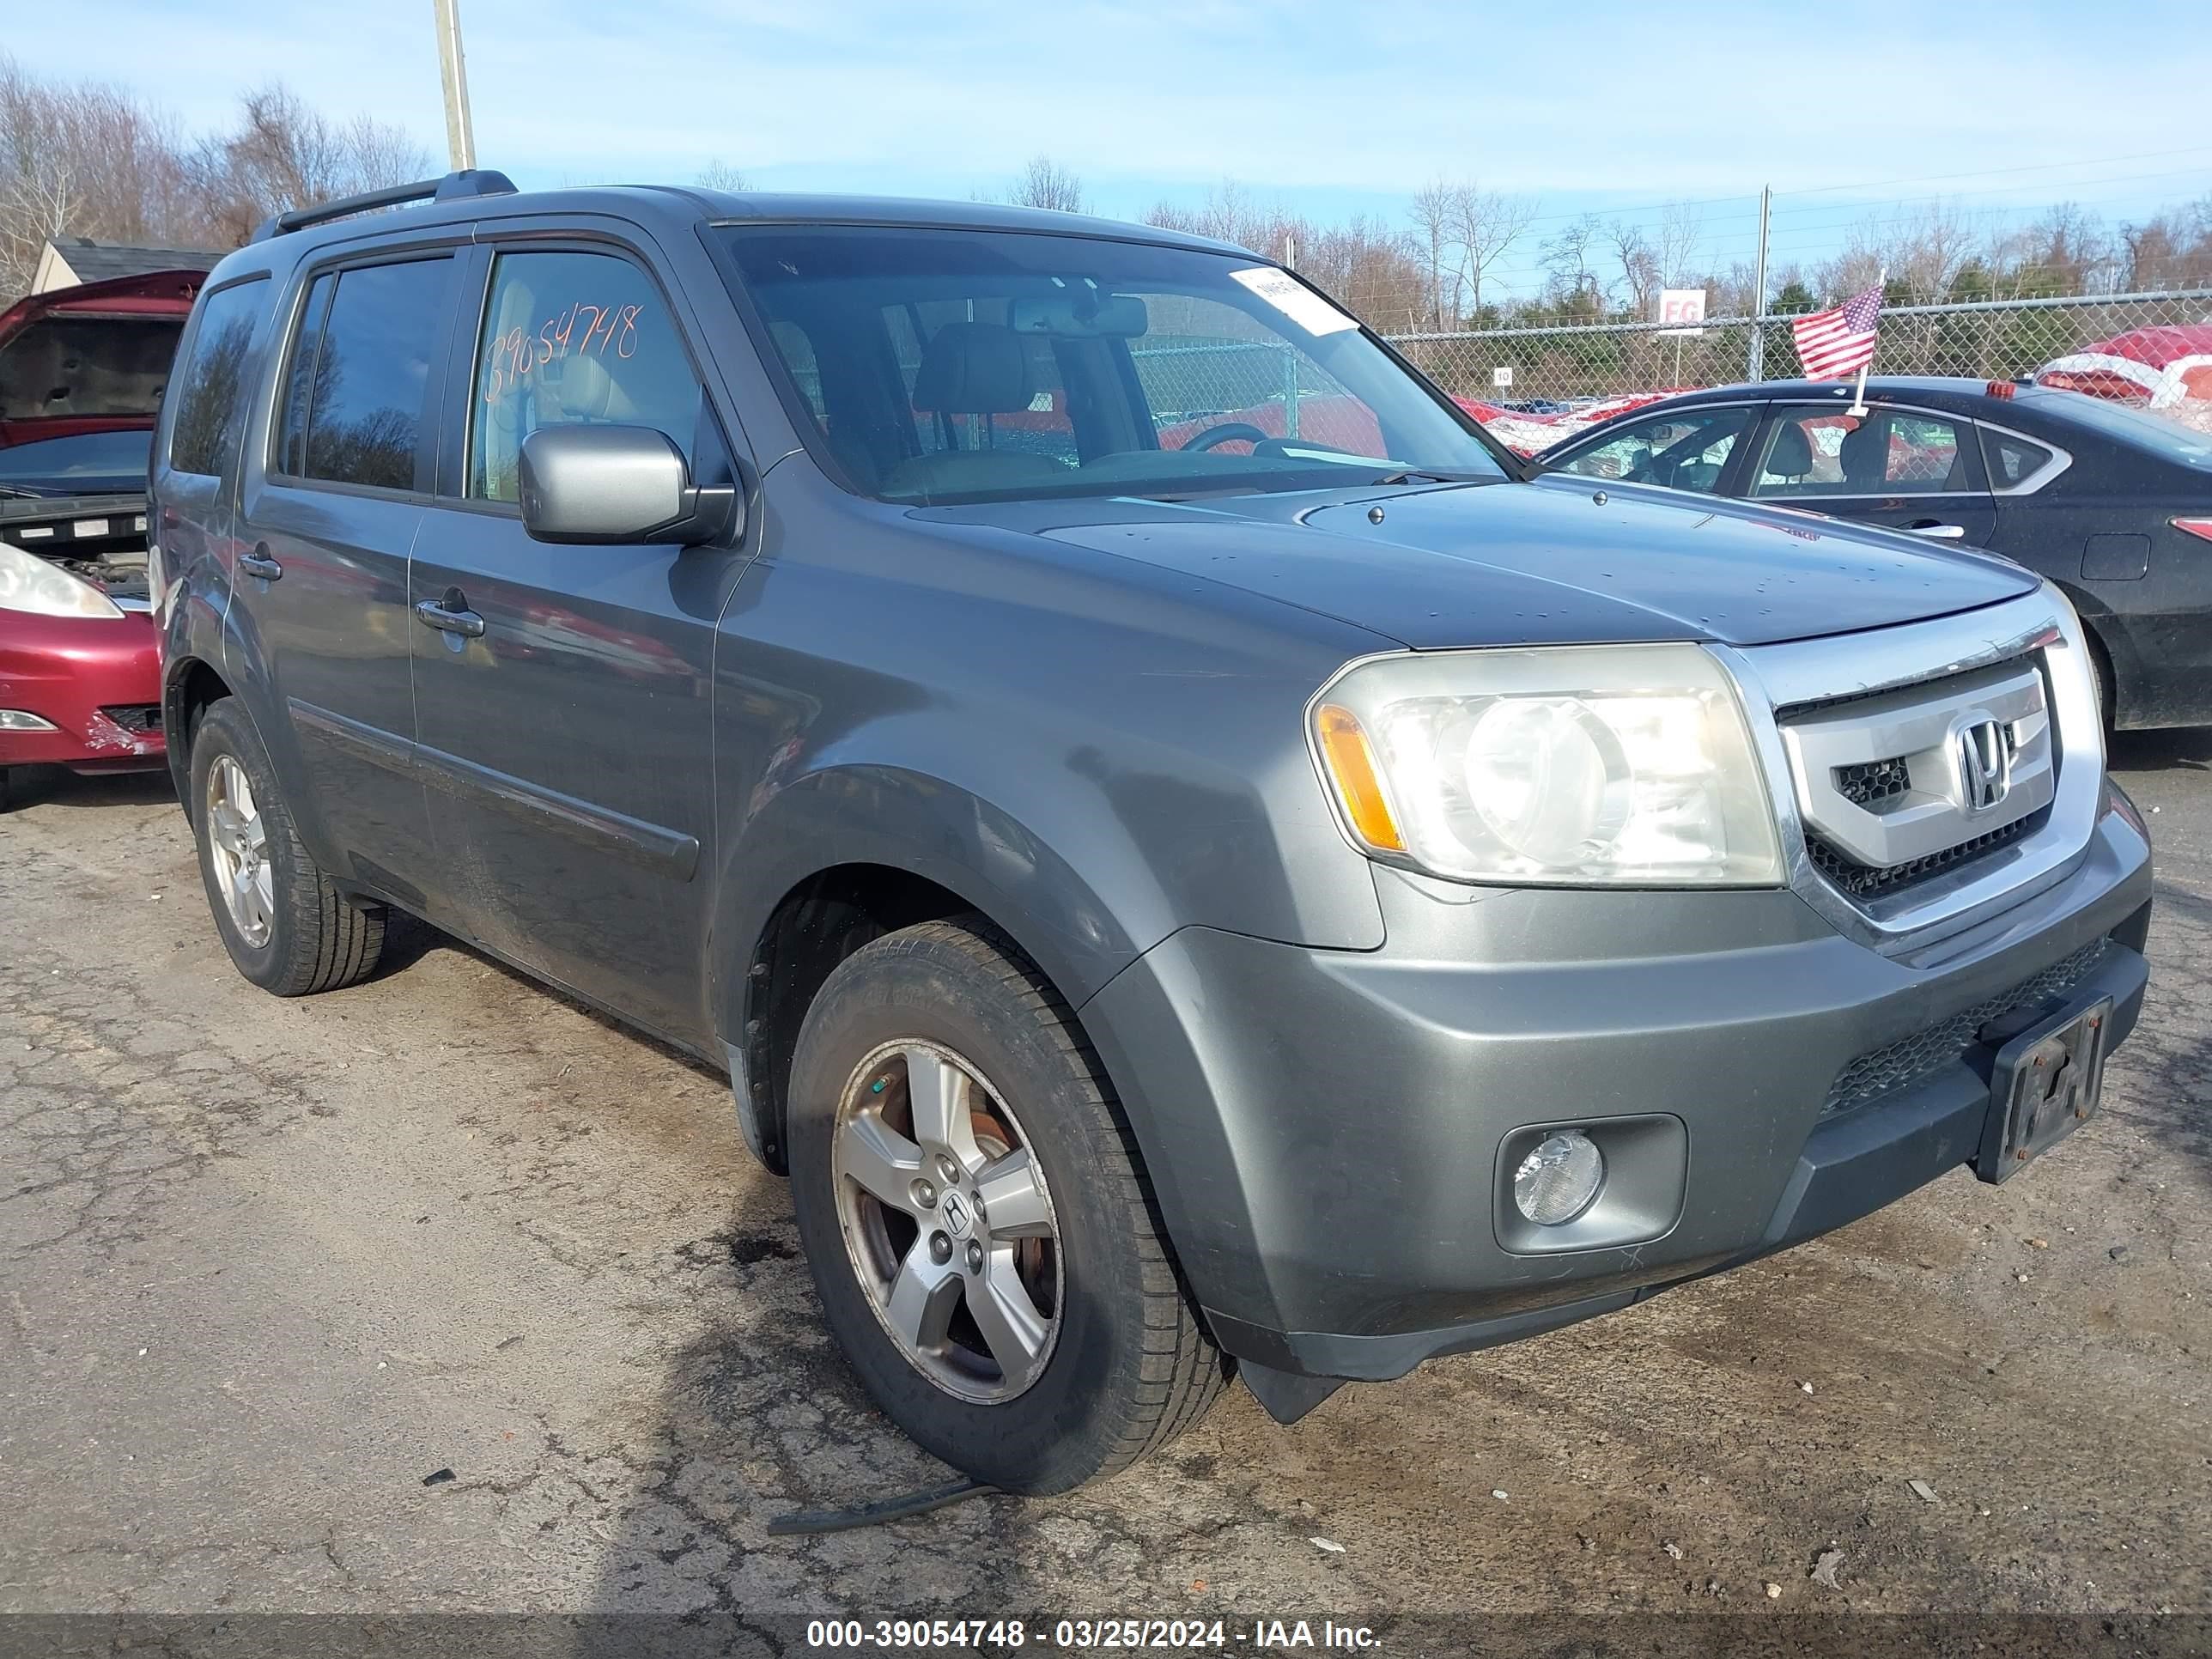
<point>1286,1395</point>
<point>749,1114</point>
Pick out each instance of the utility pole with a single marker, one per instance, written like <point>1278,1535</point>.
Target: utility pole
<point>1758,365</point>
<point>453,73</point>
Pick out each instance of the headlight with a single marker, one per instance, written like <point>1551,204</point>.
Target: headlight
<point>29,583</point>
<point>1573,766</point>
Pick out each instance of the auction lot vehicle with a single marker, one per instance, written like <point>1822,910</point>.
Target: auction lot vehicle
<point>82,374</point>
<point>2113,504</point>
<point>1170,907</point>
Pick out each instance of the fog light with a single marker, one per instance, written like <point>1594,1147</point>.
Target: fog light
<point>22,720</point>
<point>1557,1181</point>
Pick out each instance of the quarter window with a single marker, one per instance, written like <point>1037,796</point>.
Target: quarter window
<point>355,391</point>
<point>2013,461</point>
<point>211,385</point>
<point>572,339</point>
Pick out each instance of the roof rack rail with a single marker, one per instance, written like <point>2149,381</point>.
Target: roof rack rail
<point>454,186</point>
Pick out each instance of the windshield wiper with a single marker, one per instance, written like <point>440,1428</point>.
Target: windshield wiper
<point>1417,475</point>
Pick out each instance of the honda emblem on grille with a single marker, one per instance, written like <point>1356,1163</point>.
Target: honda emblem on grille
<point>1984,752</point>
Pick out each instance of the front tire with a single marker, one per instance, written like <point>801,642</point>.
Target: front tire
<point>977,1221</point>
<point>288,928</point>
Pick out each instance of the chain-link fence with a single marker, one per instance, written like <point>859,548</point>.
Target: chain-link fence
<point>1999,339</point>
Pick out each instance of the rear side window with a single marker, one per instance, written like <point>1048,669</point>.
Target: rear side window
<point>212,384</point>
<point>355,390</point>
<point>572,339</point>
<point>1829,451</point>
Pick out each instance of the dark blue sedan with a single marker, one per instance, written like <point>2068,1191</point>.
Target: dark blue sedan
<point>2112,505</point>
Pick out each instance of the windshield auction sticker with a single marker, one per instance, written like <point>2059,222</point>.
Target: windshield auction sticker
<point>1295,300</point>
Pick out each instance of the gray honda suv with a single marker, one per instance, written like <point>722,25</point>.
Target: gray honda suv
<point>1194,863</point>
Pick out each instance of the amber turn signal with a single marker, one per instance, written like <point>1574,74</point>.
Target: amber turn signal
<point>1350,761</point>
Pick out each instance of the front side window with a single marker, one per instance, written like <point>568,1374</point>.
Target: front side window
<point>942,366</point>
<point>1826,452</point>
<point>355,391</point>
<point>1686,450</point>
<point>213,381</point>
<point>572,339</point>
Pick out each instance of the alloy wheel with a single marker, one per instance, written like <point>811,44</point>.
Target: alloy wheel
<point>238,843</point>
<point>948,1221</point>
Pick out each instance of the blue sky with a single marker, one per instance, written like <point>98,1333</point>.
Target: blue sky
<point>1333,109</point>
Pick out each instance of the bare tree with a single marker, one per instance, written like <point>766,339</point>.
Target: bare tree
<point>84,160</point>
<point>1484,224</point>
<point>1435,214</point>
<point>284,154</point>
<point>1044,183</point>
<point>1624,240</point>
<point>2171,250</point>
<point>1569,257</point>
<point>719,174</point>
<point>1675,245</point>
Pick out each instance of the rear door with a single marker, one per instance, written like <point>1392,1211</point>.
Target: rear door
<point>562,693</point>
<point>1915,470</point>
<point>329,513</point>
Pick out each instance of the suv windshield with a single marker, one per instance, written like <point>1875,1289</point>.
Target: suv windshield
<point>82,464</point>
<point>949,366</point>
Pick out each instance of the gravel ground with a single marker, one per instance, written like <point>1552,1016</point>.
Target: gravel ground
<point>270,1264</point>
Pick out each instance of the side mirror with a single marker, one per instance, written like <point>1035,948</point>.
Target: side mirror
<point>615,484</point>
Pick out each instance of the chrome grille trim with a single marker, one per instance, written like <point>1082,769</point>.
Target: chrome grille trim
<point>1780,682</point>
<point>1920,726</point>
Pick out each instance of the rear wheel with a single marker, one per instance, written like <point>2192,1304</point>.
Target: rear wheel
<point>977,1221</point>
<point>288,928</point>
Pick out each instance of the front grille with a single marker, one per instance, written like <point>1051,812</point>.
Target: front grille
<point>1864,881</point>
<point>1915,1058</point>
<point>1874,783</point>
<point>142,717</point>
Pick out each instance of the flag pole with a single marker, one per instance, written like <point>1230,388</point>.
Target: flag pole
<point>1858,408</point>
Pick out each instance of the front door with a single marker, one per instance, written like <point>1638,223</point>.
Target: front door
<point>562,693</point>
<point>1913,470</point>
<point>329,511</point>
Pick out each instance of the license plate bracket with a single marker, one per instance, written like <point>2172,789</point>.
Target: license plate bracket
<point>2045,1084</point>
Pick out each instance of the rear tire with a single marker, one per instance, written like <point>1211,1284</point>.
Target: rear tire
<point>288,928</point>
<point>1111,1361</point>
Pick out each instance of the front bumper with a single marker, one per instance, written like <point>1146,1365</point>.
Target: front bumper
<point>97,681</point>
<point>1324,1129</point>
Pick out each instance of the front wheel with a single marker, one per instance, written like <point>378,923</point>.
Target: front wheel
<point>977,1221</point>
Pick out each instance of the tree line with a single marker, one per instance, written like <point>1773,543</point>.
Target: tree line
<point>91,158</point>
<point>1440,271</point>
<point>87,158</point>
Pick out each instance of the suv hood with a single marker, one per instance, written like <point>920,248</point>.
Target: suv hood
<point>93,358</point>
<point>1551,561</point>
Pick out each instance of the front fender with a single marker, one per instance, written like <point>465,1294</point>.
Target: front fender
<point>892,816</point>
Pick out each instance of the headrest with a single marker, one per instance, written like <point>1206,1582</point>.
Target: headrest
<point>1865,453</point>
<point>1792,454</point>
<point>973,368</point>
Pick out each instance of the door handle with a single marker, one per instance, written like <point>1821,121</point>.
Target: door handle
<point>447,621</point>
<point>258,564</point>
<point>1941,532</point>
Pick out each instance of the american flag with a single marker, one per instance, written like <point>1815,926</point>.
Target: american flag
<point>1834,345</point>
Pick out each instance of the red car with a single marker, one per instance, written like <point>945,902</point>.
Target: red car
<point>82,374</point>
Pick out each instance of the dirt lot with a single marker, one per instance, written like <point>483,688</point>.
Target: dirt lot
<point>270,1264</point>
